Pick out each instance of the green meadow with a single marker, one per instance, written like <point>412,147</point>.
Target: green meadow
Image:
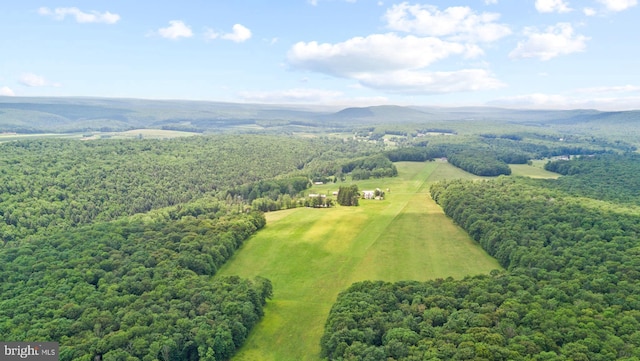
<point>310,255</point>
<point>532,171</point>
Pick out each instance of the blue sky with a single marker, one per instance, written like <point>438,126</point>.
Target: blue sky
<point>524,53</point>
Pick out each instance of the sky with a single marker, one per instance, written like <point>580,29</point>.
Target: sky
<point>538,54</point>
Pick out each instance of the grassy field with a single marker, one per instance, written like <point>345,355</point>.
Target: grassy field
<point>311,255</point>
<point>532,171</point>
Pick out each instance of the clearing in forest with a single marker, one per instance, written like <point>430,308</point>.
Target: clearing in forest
<point>310,255</point>
<point>532,171</point>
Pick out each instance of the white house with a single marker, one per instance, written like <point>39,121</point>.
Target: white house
<point>368,194</point>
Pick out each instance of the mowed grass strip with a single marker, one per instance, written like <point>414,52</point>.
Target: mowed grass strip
<point>532,171</point>
<point>310,255</point>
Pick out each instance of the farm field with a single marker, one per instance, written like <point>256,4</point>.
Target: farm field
<point>532,171</point>
<point>310,255</point>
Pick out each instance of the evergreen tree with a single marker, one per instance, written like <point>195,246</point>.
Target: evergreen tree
<point>348,195</point>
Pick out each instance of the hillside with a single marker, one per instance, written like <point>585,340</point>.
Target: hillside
<point>35,115</point>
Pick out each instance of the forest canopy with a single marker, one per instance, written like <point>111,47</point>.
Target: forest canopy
<point>139,288</point>
<point>110,247</point>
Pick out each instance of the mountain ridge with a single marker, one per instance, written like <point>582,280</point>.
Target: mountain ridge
<point>67,114</point>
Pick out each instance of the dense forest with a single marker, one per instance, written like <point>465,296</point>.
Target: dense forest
<point>110,247</point>
<point>585,171</point>
<point>139,288</point>
<point>570,290</point>
<point>53,184</point>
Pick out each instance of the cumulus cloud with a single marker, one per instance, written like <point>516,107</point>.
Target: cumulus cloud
<point>552,6</point>
<point>176,29</point>
<point>618,5</point>
<point>589,11</point>
<point>458,23</point>
<point>32,80</point>
<point>377,52</point>
<point>239,34</point>
<point>398,63</point>
<point>80,16</point>
<point>6,91</point>
<point>554,41</point>
<point>394,64</point>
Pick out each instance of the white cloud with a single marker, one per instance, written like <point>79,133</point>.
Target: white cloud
<point>554,41</point>
<point>552,6</point>
<point>399,63</point>
<point>618,5</point>
<point>176,29</point>
<point>455,23</point>
<point>417,82</point>
<point>80,16</point>
<point>589,11</point>
<point>394,64</point>
<point>240,34</point>
<point>377,52</point>
<point>6,91</point>
<point>490,2</point>
<point>32,80</point>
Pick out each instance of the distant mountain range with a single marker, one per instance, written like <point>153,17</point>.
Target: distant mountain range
<point>36,115</point>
